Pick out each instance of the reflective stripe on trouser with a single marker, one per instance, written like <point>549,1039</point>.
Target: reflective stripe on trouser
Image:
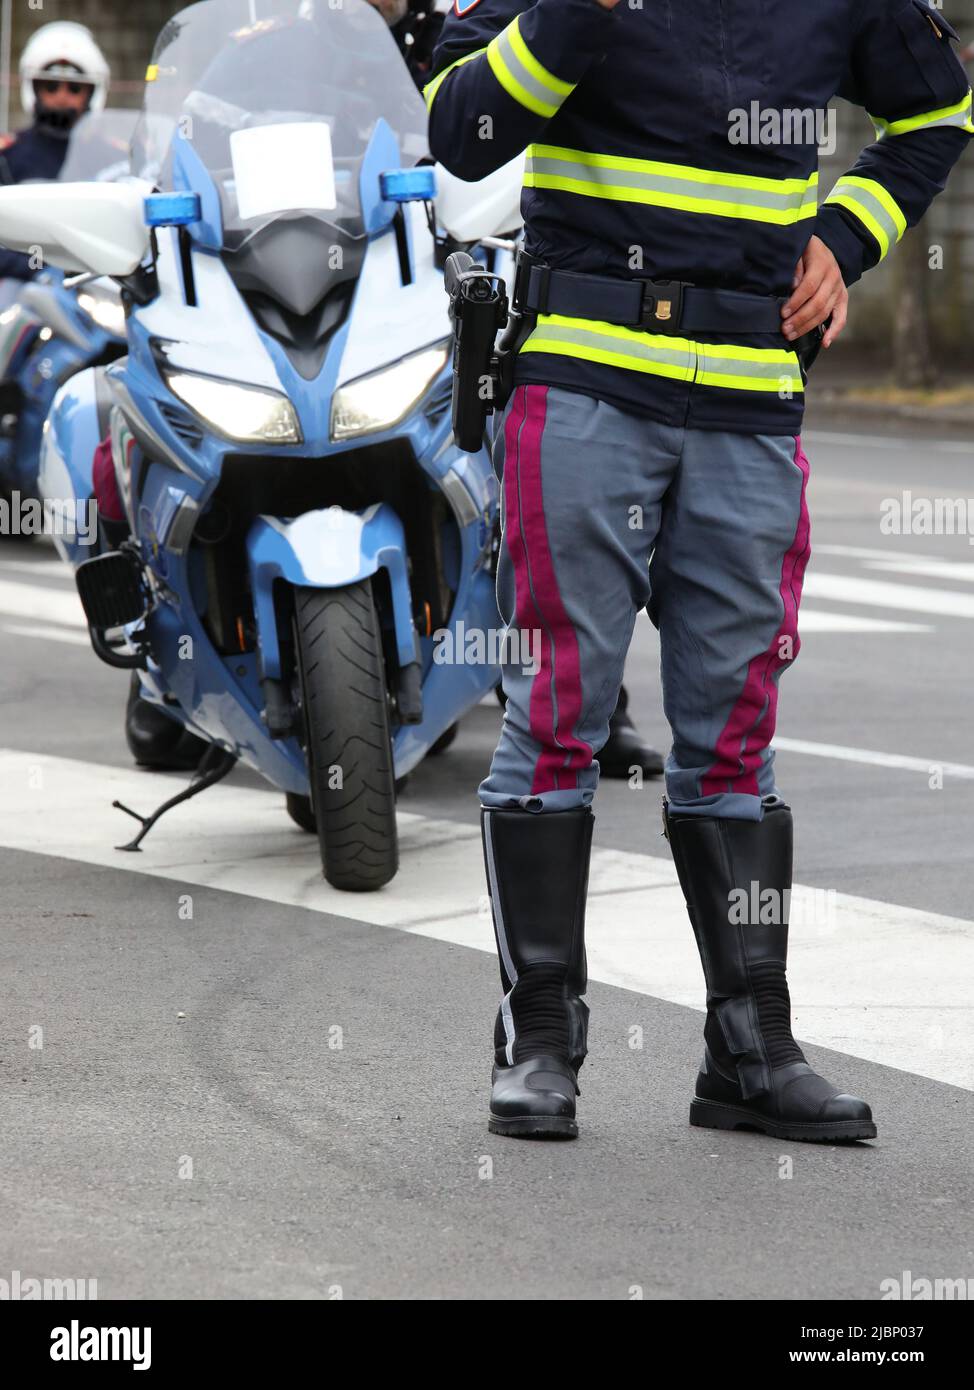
<point>684,187</point>
<point>590,494</point>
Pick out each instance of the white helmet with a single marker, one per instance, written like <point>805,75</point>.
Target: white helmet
<point>68,43</point>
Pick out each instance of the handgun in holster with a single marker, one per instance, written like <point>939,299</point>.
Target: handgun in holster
<point>809,345</point>
<point>483,367</point>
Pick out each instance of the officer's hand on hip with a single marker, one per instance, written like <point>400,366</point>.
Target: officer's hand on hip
<point>819,293</point>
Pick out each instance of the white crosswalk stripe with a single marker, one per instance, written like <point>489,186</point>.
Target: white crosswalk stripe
<point>887,983</point>
<point>51,609</point>
<point>47,632</point>
<point>952,570</point>
<point>880,593</point>
<point>887,442</point>
<point>904,562</point>
<point>871,758</point>
<point>37,603</point>
<point>41,569</point>
<point>812,620</point>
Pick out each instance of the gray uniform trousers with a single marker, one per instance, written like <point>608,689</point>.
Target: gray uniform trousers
<point>605,511</point>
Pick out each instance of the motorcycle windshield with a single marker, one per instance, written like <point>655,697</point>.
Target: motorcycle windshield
<point>99,148</point>
<point>278,99</point>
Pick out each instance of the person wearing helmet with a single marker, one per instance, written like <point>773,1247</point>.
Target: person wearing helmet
<point>63,75</point>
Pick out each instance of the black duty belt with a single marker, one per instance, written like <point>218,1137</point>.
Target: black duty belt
<point>659,306</point>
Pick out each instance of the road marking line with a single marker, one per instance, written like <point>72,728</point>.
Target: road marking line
<point>879,553</point>
<point>33,602</point>
<point>61,608</point>
<point>868,757</point>
<point>887,983</point>
<point>48,632</point>
<point>879,593</point>
<point>904,562</point>
<point>928,569</point>
<point>47,569</point>
<point>818,620</point>
<point>872,441</point>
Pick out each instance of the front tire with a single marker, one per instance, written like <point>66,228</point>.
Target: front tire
<point>347,738</point>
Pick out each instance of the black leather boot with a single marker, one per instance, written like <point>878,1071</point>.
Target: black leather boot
<point>625,747</point>
<point>155,740</point>
<point>537,877</point>
<point>754,1074</point>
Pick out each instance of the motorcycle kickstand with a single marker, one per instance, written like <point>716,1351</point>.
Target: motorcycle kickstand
<point>215,764</point>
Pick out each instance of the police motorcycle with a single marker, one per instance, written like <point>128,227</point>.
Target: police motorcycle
<point>303,525</point>
<point>56,328</point>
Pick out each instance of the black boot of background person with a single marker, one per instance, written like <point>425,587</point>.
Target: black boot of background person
<point>111,534</point>
<point>156,741</point>
<point>537,877</point>
<point>754,1075</point>
<point>625,747</point>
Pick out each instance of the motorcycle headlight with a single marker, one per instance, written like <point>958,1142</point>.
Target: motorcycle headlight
<point>103,305</point>
<point>246,414</point>
<point>380,400</point>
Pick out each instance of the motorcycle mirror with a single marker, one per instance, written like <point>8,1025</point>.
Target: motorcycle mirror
<point>469,212</point>
<point>97,227</point>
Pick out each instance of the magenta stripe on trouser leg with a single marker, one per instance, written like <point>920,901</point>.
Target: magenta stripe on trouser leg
<point>751,725</point>
<point>556,690</point>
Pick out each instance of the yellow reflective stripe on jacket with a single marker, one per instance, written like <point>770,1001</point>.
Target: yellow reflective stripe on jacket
<point>727,365</point>
<point>875,208</point>
<point>431,88</point>
<point>522,76</point>
<point>957,115</point>
<point>782,202</point>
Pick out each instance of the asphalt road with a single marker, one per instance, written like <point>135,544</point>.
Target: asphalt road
<point>276,1098</point>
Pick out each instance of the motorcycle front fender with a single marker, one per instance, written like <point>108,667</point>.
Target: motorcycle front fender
<point>328,549</point>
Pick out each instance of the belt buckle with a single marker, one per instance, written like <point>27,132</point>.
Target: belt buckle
<point>662,305</point>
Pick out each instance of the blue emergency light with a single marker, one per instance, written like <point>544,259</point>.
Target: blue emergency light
<point>408,185</point>
<point>172,209</point>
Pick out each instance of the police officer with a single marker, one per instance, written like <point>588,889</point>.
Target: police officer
<point>416,26</point>
<point>63,74</point>
<point>679,274</point>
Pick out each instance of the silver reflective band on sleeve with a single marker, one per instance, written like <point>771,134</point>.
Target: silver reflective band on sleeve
<point>874,206</point>
<point>522,76</point>
<point>957,115</point>
<point>726,365</point>
<point>682,187</point>
<point>431,88</point>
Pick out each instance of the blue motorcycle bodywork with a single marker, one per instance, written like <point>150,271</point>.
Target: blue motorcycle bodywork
<point>39,362</point>
<point>170,464</point>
